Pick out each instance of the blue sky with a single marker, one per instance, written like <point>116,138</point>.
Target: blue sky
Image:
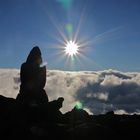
<point>109,30</point>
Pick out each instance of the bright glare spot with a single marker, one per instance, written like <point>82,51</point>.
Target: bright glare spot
<point>43,64</point>
<point>78,105</point>
<point>71,48</point>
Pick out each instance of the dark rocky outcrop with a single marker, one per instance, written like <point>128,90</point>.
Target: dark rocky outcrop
<point>18,121</point>
<point>33,80</point>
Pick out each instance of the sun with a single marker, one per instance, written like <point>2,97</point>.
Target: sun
<point>71,48</point>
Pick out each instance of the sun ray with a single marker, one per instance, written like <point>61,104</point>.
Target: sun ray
<point>86,60</point>
<point>54,23</point>
<point>79,24</point>
<point>100,37</point>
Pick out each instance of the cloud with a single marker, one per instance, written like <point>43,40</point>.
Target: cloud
<point>99,92</point>
<point>120,112</point>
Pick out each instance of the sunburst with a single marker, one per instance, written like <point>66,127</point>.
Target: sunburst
<point>71,48</point>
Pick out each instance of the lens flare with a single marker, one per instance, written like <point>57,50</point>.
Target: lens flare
<point>69,28</point>
<point>71,48</point>
<point>66,3</point>
<point>78,105</point>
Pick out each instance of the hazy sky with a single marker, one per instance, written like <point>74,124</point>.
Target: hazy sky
<point>109,33</point>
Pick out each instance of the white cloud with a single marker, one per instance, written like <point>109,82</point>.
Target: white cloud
<point>99,91</point>
<point>100,96</point>
<point>111,80</point>
<point>120,112</point>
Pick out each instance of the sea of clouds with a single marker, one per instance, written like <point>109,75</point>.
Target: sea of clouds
<point>98,91</point>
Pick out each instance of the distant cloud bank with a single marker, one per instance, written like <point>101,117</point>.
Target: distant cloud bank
<point>98,91</point>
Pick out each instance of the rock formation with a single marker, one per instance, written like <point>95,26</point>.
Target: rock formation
<point>33,79</point>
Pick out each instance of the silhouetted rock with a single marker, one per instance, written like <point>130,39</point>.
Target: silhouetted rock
<point>56,104</point>
<point>54,112</point>
<point>33,79</point>
<point>110,113</point>
<point>77,115</point>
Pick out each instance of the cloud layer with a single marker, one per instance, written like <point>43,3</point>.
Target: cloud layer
<point>99,92</point>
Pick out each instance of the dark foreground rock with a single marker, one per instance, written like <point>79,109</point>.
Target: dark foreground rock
<point>22,122</point>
